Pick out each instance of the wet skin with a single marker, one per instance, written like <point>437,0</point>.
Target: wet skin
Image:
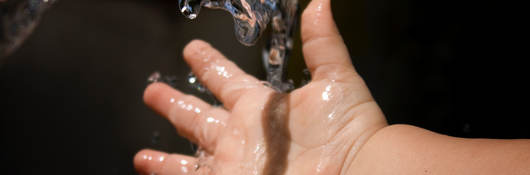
<point>316,129</point>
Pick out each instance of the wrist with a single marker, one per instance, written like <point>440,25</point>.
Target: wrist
<point>366,140</point>
<point>375,127</point>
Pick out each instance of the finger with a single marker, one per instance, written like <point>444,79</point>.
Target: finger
<point>154,162</point>
<point>220,75</point>
<point>325,53</point>
<point>193,118</point>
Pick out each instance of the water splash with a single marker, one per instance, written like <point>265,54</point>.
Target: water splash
<point>204,162</point>
<point>194,83</point>
<point>18,18</point>
<point>157,77</point>
<point>251,18</point>
<point>191,80</point>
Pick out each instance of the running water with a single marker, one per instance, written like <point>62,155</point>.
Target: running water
<point>251,18</point>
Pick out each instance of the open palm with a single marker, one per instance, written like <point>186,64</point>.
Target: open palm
<point>316,129</point>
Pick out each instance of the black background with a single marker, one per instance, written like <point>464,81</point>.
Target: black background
<point>71,96</point>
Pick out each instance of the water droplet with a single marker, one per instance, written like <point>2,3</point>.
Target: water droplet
<point>326,94</point>
<point>195,84</point>
<point>204,161</point>
<point>154,77</point>
<point>190,8</point>
<point>192,79</point>
<point>158,77</point>
<point>210,120</point>
<point>184,167</point>
<point>183,162</point>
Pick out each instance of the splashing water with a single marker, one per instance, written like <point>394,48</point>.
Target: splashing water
<point>18,18</point>
<point>191,80</point>
<point>194,83</point>
<point>251,18</point>
<point>157,77</point>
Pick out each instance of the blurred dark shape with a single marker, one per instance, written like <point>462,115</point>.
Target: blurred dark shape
<point>18,18</point>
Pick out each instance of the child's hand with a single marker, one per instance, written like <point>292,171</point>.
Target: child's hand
<point>316,129</point>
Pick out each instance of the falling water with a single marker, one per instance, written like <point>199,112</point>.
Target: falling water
<point>251,18</point>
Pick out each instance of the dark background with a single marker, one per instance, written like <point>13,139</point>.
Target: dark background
<point>71,96</point>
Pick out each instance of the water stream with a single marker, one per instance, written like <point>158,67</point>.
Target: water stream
<point>251,18</point>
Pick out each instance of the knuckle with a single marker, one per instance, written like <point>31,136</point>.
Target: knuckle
<point>337,72</point>
<point>232,90</point>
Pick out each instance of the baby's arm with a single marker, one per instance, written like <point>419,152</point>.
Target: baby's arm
<point>405,149</point>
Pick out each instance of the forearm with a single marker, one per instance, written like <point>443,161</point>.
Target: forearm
<point>404,149</point>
